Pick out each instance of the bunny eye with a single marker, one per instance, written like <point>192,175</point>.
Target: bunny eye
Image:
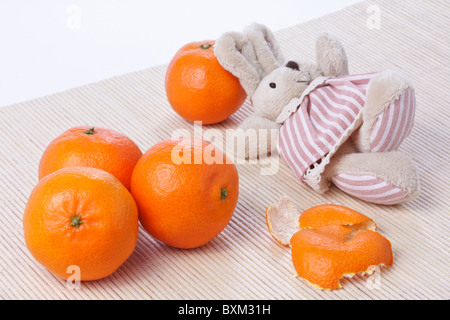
<point>273,85</point>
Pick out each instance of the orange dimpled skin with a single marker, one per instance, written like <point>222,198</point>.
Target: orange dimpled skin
<point>184,205</point>
<point>81,217</point>
<point>92,147</point>
<point>335,242</point>
<point>199,88</point>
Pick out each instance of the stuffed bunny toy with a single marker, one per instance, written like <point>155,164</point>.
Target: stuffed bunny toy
<point>331,127</point>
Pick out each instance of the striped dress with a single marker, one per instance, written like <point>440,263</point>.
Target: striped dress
<point>330,109</point>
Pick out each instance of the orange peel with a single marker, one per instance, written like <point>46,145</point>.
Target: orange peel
<point>328,242</point>
<point>282,220</point>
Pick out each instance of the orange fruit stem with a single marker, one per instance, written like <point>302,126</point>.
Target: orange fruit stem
<point>75,221</point>
<point>223,193</point>
<point>90,131</point>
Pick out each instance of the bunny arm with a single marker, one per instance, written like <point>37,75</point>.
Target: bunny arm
<point>257,127</point>
<point>330,55</point>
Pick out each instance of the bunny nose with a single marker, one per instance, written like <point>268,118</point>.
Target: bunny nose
<point>293,65</point>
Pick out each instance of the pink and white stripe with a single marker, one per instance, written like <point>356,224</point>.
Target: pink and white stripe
<point>369,188</point>
<point>394,123</point>
<point>321,120</point>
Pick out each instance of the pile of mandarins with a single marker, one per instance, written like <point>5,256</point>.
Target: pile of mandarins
<point>95,185</point>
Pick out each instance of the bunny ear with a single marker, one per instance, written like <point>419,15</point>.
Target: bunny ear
<point>235,53</point>
<point>267,49</point>
<point>330,55</point>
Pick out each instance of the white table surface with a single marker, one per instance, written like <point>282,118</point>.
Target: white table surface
<point>49,46</point>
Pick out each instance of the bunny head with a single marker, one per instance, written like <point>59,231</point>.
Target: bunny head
<point>277,88</point>
<point>270,81</point>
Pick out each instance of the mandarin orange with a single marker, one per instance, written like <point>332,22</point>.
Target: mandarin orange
<point>199,88</point>
<point>99,148</point>
<point>81,217</point>
<point>185,198</point>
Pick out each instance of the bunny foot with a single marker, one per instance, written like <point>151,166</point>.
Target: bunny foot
<point>382,178</point>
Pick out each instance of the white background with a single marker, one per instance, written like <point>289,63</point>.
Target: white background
<point>48,46</point>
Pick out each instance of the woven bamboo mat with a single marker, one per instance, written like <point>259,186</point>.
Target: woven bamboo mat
<point>244,262</point>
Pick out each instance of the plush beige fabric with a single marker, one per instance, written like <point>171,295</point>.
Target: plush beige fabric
<point>244,261</point>
<point>382,90</point>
